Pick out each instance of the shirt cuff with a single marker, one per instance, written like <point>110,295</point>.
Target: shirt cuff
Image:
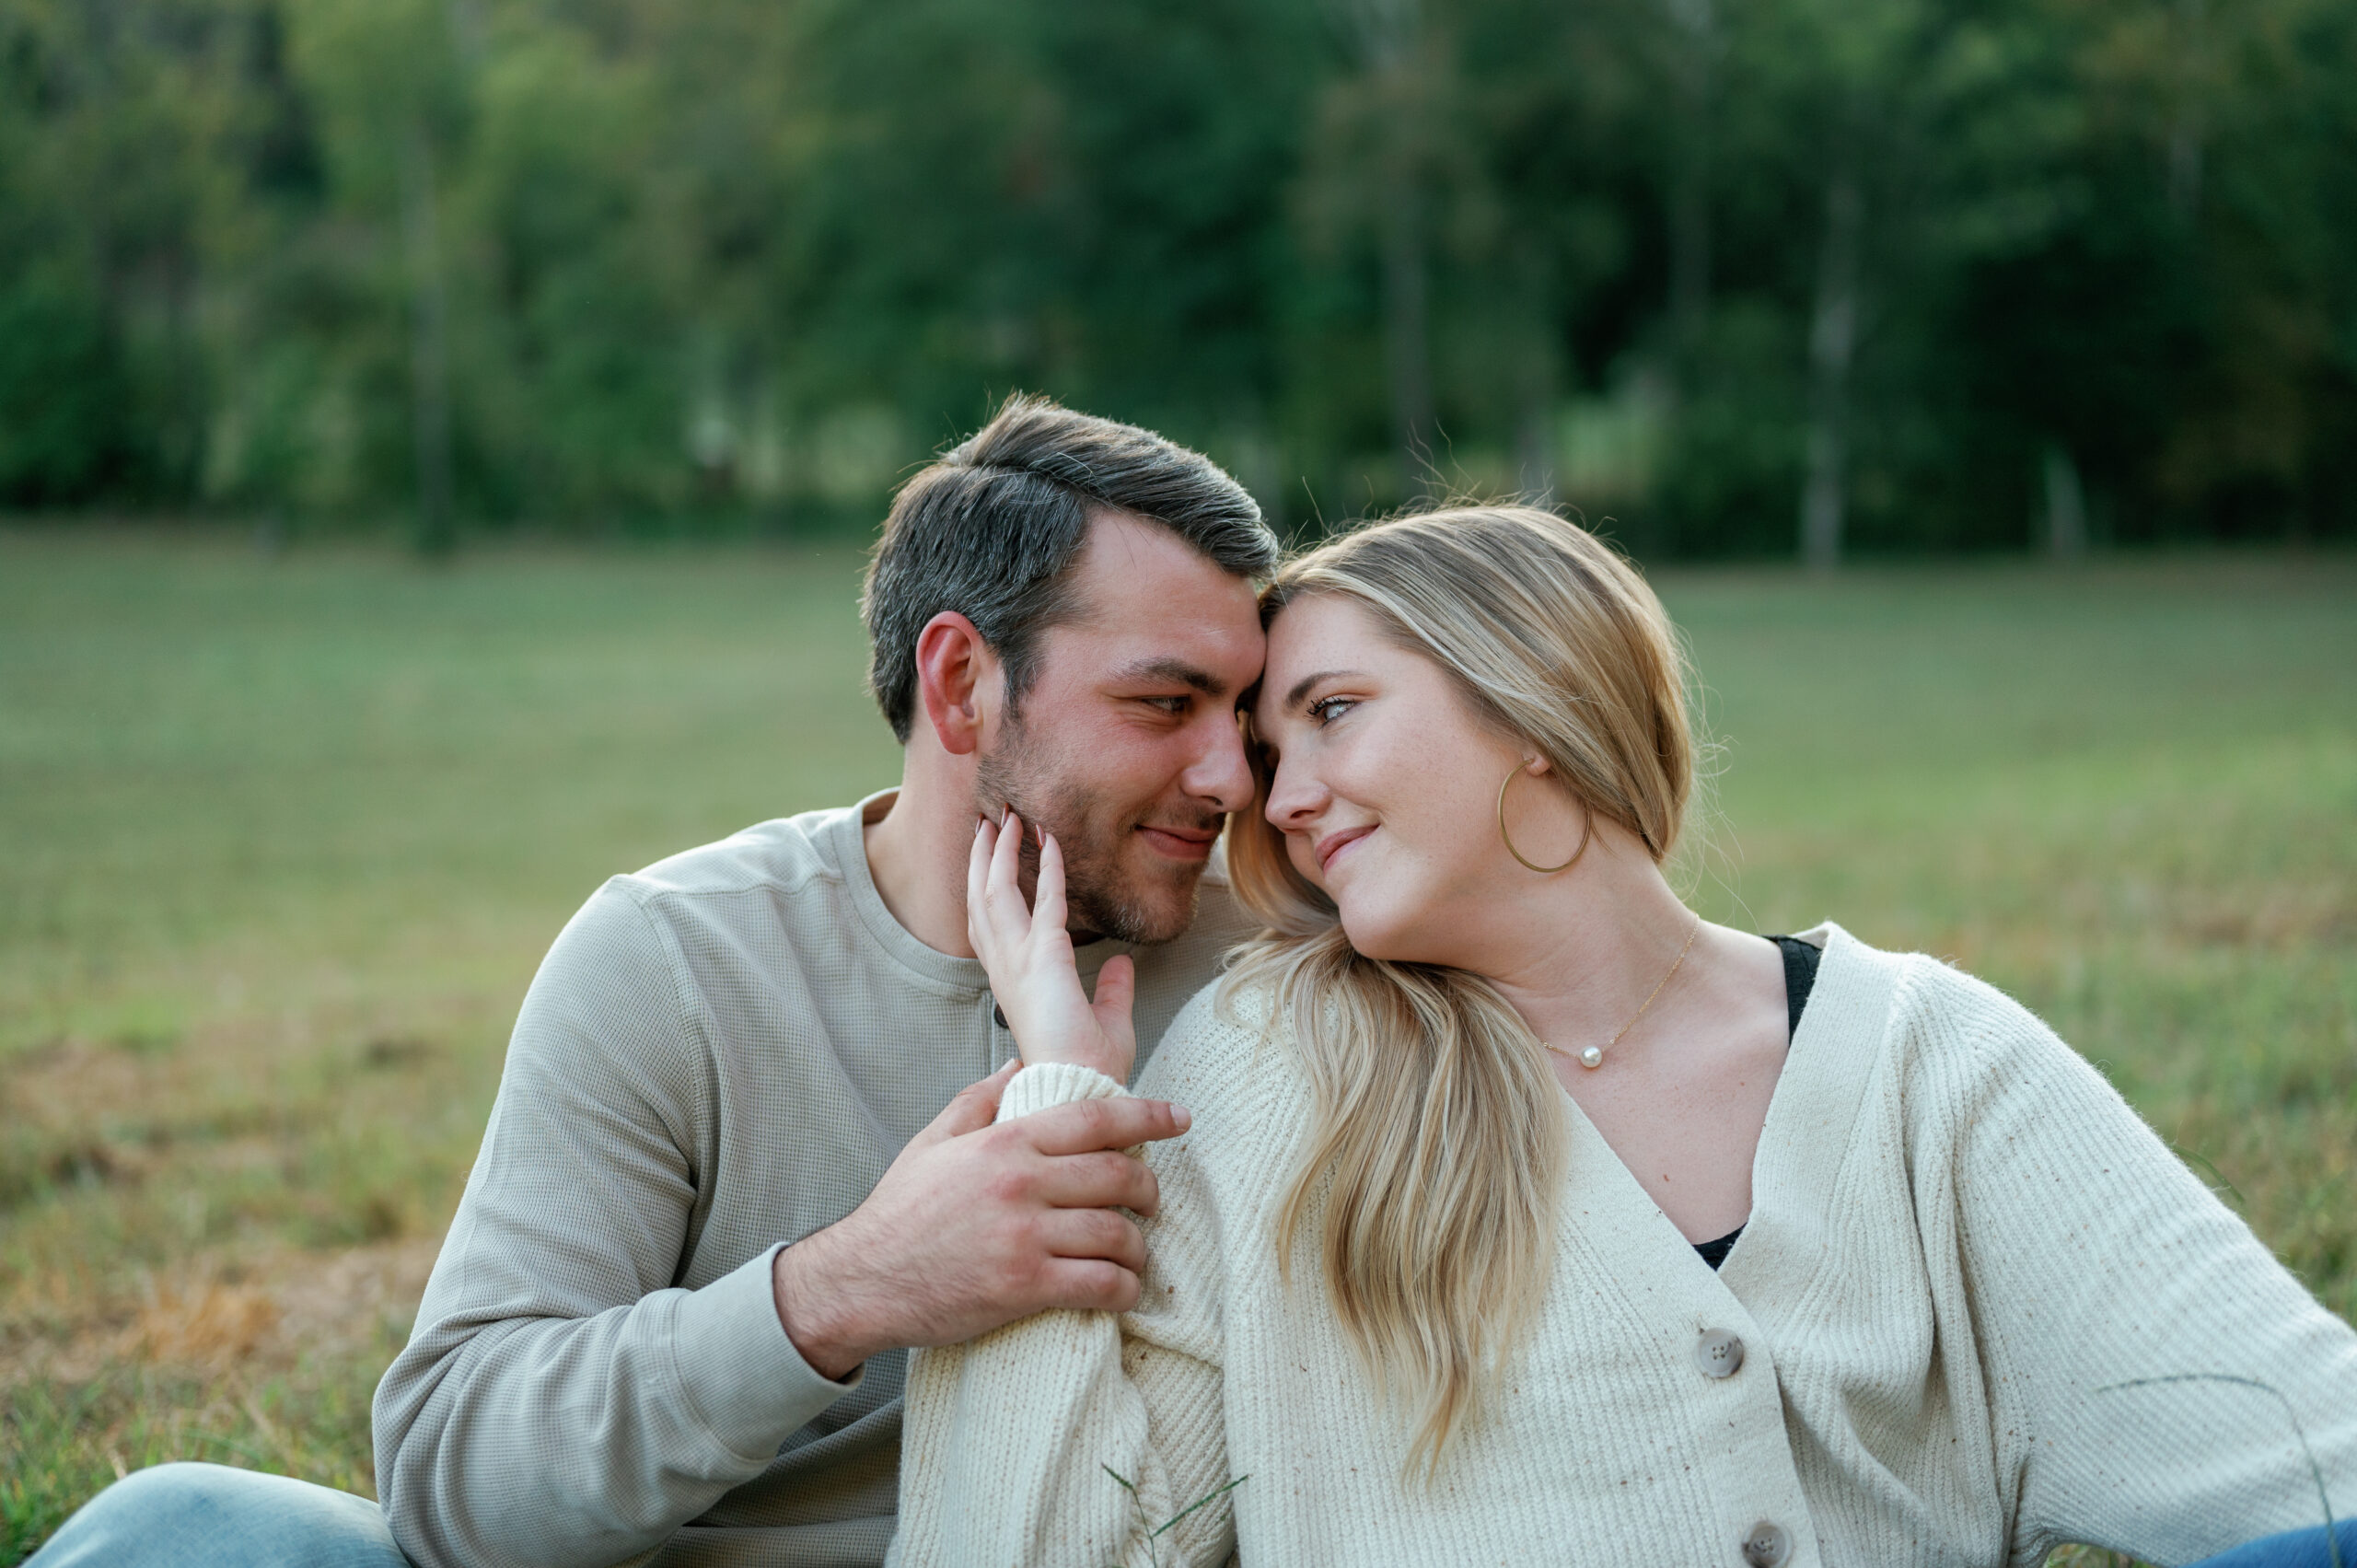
<point>1054,1082</point>
<point>739,1368</point>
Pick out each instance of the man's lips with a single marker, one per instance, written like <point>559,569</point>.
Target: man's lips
<point>1334,844</point>
<point>1180,844</point>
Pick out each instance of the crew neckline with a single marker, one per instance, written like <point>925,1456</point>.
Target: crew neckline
<point>846,840</point>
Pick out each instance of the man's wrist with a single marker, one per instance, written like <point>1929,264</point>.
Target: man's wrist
<point>809,1312</point>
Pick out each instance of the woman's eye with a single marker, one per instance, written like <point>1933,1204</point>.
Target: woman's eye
<point>1325,709</point>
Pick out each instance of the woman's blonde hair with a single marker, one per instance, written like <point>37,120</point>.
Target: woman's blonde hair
<point>1438,1141</point>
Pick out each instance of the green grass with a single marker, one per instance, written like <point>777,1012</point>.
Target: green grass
<point>285,839</point>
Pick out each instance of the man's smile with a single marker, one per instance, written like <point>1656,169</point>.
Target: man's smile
<point>1180,843</point>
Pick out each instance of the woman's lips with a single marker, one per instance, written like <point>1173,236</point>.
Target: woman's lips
<point>1178,844</point>
<point>1333,844</point>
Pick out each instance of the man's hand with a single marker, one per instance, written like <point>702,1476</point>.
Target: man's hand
<point>976,1226</point>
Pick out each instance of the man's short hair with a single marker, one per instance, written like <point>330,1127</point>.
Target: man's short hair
<point>992,528</point>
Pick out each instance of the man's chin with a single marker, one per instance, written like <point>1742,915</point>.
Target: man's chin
<point>1155,903</point>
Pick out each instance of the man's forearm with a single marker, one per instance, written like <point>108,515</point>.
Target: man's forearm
<point>830,1329</point>
<point>577,1442</point>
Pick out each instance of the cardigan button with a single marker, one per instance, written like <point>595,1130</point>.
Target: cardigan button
<point>1718,1354</point>
<point>1767,1546</point>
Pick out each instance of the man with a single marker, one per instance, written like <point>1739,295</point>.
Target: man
<point>719,1192</point>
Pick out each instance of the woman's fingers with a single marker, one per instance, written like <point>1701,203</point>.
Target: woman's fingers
<point>977,872</point>
<point>1005,894</point>
<point>1117,985</point>
<point>995,915</point>
<point>1047,898</point>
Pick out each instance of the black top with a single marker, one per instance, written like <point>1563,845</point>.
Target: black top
<point>1800,973</point>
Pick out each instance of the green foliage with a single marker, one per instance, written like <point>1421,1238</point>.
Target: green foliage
<point>622,264</point>
<point>64,433</point>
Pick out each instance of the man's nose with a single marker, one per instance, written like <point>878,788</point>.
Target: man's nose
<point>1221,774</point>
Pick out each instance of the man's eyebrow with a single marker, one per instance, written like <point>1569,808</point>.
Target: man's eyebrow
<point>1301,687</point>
<point>1176,670</point>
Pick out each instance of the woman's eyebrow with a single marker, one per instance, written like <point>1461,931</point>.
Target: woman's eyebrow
<point>1301,687</point>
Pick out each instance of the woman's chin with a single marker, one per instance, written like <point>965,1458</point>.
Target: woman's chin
<point>1388,941</point>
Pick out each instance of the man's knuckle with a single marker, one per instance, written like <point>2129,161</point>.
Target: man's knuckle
<point>1117,1288</point>
<point>1109,1230</point>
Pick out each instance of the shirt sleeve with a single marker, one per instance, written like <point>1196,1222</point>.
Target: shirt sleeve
<point>2177,1390</point>
<point>562,1403</point>
<point>1064,1440</point>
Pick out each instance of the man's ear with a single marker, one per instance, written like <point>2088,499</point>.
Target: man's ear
<point>958,680</point>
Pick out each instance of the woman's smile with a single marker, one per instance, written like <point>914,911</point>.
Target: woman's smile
<point>1334,844</point>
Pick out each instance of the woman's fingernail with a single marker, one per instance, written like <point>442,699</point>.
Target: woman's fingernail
<point>1182,1117</point>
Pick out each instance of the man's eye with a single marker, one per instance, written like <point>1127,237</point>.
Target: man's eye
<point>1174,706</point>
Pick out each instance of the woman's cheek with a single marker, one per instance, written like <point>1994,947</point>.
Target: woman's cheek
<point>1299,851</point>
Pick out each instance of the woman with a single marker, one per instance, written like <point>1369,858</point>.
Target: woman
<point>1526,1217</point>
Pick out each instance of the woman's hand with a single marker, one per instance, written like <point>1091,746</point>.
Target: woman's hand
<point>1029,957</point>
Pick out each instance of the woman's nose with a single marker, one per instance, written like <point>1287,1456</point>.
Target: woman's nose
<point>1295,798</point>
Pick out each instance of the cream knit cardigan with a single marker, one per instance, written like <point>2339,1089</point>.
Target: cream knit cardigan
<point>1962,1244</point>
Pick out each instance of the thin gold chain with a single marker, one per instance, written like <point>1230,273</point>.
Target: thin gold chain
<point>1674,966</point>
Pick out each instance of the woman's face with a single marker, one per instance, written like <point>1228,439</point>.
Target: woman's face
<point>1385,786</point>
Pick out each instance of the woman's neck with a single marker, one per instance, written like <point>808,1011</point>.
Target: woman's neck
<point>1585,951</point>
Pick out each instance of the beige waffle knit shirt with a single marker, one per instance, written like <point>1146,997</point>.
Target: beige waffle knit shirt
<point>1962,1244</point>
<point>720,1055</point>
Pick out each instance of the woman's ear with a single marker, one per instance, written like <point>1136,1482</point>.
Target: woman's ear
<point>1538,767</point>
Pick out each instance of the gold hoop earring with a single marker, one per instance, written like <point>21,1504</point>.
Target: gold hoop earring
<point>1587,829</point>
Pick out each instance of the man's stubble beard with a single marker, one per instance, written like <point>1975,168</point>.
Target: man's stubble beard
<point>1099,895</point>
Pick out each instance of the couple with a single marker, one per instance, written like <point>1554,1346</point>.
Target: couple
<point>1494,1208</point>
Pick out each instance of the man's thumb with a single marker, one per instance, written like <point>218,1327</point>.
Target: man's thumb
<point>975,1108</point>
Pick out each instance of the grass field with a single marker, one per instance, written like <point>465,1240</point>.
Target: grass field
<point>285,839</point>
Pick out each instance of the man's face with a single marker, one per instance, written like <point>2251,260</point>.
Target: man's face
<point>1126,746</point>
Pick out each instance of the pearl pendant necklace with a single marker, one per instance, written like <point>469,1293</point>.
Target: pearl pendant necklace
<point>1592,1057</point>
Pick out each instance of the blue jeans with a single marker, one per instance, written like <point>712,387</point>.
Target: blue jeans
<point>211,1517</point>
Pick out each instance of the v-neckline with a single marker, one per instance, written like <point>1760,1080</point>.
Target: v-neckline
<point>1593,1159</point>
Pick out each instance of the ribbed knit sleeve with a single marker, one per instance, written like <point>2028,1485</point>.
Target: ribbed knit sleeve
<point>1012,1442</point>
<point>2153,1370</point>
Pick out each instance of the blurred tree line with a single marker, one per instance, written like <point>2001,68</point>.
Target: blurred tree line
<point>1744,276</point>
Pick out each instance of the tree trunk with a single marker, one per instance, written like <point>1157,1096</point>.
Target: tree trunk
<point>2186,128</point>
<point>1406,347</point>
<point>1690,209</point>
<point>1389,36</point>
<point>2066,506</point>
<point>429,348</point>
<point>1832,342</point>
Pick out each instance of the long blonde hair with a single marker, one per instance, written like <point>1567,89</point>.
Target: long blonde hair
<point>1438,1143</point>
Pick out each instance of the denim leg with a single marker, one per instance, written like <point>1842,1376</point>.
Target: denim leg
<point>2294,1549</point>
<point>191,1515</point>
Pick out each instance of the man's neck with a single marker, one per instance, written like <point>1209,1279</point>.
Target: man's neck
<point>917,855</point>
